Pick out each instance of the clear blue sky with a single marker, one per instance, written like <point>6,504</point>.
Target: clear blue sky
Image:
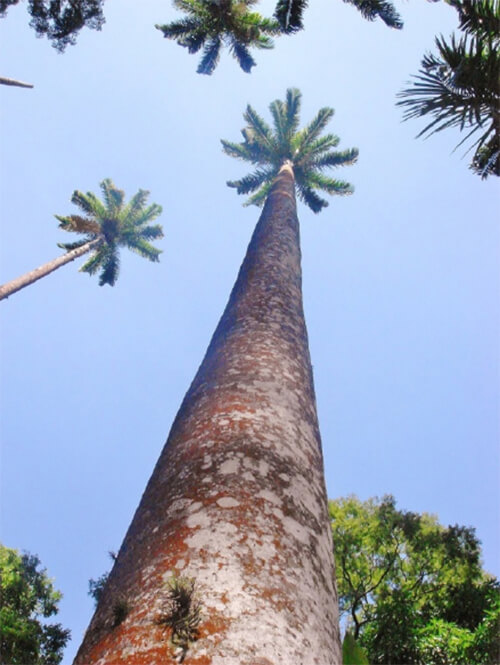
<point>401,280</point>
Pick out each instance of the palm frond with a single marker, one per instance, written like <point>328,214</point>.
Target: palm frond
<point>113,196</point>
<point>152,232</point>
<point>317,180</point>
<point>372,9</point>
<point>145,249</point>
<point>149,214</point>
<point>258,130</point>
<point>260,196</point>
<point>252,181</point>
<point>332,159</point>
<point>293,103</point>
<point>479,18</point>
<point>311,199</point>
<point>78,224</point>
<point>311,132</point>
<point>93,264</point>
<point>210,57</point>
<point>89,203</point>
<point>179,29</point>
<point>68,246</point>
<point>242,55</point>
<point>247,152</point>
<point>110,268</point>
<point>289,14</point>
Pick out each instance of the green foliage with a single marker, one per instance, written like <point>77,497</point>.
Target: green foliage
<point>27,599</point>
<point>460,86</point>
<point>352,653</point>
<point>96,587</point>
<point>412,590</point>
<point>61,20</point>
<point>289,13</point>
<point>112,224</point>
<point>182,614</point>
<point>306,150</point>
<point>212,24</point>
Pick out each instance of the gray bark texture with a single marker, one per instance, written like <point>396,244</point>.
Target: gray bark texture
<point>28,278</point>
<point>237,501</point>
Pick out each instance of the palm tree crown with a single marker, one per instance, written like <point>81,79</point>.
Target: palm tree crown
<point>113,224</point>
<point>213,23</point>
<point>459,87</point>
<point>305,150</point>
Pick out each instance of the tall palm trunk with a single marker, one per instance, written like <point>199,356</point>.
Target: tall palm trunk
<point>237,500</point>
<point>28,278</point>
<point>19,84</point>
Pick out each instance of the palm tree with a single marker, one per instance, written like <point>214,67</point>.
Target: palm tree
<point>460,86</point>
<point>289,13</point>
<point>211,24</point>
<point>106,226</point>
<point>229,555</point>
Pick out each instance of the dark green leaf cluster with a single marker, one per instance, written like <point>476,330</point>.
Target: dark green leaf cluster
<point>412,590</point>
<point>306,150</point>
<point>183,613</point>
<point>27,599</point>
<point>212,24</point>
<point>289,13</point>
<point>112,224</point>
<point>460,86</point>
<point>61,20</point>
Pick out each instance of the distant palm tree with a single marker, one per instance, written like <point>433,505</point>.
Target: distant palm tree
<point>211,24</point>
<point>107,226</point>
<point>460,87</point>
<point>289,13</point>
<point>236,507</point>
<point>304,152</point>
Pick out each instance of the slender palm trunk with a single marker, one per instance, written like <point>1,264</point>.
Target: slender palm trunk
<point>28,278</point>
<point>19,84</point>
<point>237,500</point>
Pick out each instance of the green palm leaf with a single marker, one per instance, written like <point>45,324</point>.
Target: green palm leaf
<point>372,9</point>
<point>459,86</point>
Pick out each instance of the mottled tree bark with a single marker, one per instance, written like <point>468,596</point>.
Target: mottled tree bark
<point>237,500</point>
<point>28,278</point>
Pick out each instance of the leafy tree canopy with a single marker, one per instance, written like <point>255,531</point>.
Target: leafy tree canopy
<point>411,590</point>
<point>27,599</point>
<point>61,20</point>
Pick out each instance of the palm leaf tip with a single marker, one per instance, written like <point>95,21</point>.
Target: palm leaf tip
<point>289,14</point>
